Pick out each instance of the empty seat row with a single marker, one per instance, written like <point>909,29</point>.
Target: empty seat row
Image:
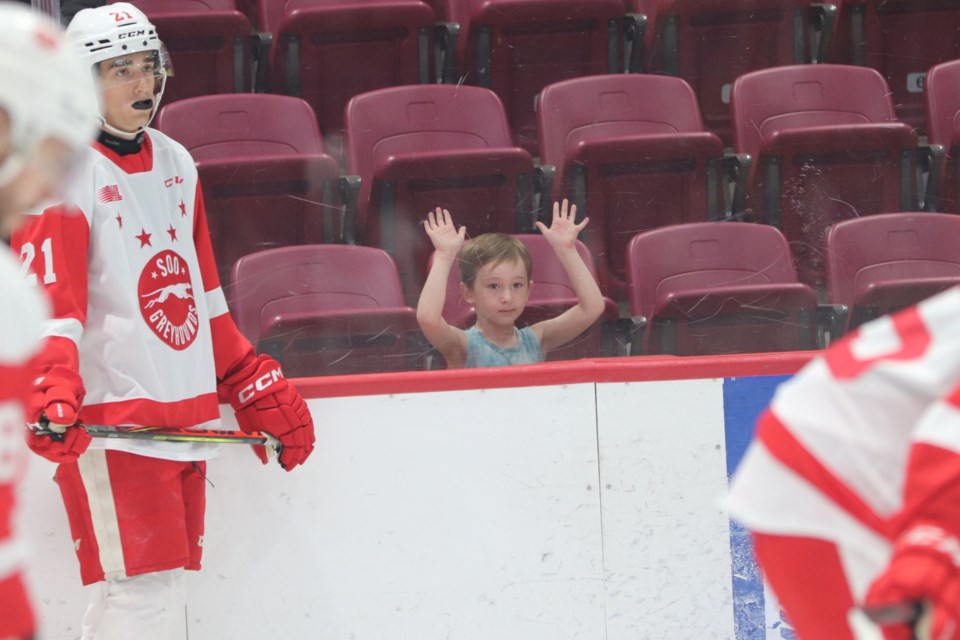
<point>695,289</point>
<point>328,51</point>
<point>816,144</point>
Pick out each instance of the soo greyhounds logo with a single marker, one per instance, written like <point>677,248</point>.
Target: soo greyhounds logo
<point>166,300</point>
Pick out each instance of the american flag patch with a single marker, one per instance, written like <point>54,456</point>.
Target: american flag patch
<point>110,193</point>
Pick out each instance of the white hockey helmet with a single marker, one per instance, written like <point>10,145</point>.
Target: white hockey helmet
<point>115,30</point>
<point>46,90</point>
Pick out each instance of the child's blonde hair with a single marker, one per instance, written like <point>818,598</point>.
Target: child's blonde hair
<point>491,248</point>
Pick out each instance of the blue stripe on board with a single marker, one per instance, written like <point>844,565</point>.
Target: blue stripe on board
<point>743,401</point>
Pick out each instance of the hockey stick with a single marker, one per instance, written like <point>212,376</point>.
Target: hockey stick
<point>172,434</point>
<point>867,622</point>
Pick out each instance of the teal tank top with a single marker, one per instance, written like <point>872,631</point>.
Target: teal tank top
<point>483,353</point>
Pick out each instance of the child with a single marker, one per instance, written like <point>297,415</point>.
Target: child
<point>495,278</point>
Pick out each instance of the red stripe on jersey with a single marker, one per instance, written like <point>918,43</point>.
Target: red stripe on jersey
<point>914,340</point>
<point>932,487</point>
<point>787,449</point>
<point>152,413</point>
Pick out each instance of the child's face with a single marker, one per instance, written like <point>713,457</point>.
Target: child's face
<point>499,293</point>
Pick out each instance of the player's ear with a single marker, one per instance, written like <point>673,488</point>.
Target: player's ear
<point>466,292</point>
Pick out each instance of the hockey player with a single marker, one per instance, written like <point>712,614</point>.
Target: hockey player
<point>47,114</point>
<point>852,484</point>
<point>141,336</point>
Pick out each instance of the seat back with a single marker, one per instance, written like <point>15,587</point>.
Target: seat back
<point>327,51</point>
<point>324,309</point>
<point>826,147</point>
<point>418,147</point>
<point>517,47</point>
<point>209,43</point>
<point>943,128</point>
<point>551,294</point>
<point>903,256</point>
<point>631,153</point>
<point>901,39</point>
<point>266,181</point>
<point>718,287</point>
<point>709,43</point>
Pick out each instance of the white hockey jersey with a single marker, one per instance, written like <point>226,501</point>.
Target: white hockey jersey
<point>137,304</point>
<point>872,426</point>
<point>22,314</point>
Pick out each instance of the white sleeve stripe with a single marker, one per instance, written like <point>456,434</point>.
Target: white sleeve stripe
<point>216,303</point>
<point>103,512</point>
<point>64,328</point>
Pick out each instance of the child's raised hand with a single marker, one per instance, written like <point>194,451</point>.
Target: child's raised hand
<point>563,230</point>
<point>444,235</point>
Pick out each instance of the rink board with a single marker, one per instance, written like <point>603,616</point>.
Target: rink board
<point>570,501</point>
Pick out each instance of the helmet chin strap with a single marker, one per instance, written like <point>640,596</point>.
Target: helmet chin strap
<point>120,133</point>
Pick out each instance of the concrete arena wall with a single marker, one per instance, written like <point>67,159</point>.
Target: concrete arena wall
<point>566,500</point>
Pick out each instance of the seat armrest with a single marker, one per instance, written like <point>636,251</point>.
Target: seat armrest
<point>349,191</point>
<point>831,322</point>
<point>736,171</point>
<point>446,35</point>
<point>823,17</point>
<point>543,177</point>
<point>634,34</point>
<point>930,159</point>
<point>260,49</point>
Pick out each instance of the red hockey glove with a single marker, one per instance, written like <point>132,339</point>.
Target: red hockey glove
<point>60,448</point>
<point>265,401</point>
<point>925,567</point>
<point>58,396</point>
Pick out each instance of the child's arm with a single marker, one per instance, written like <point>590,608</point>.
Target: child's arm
<point>447,241</point>
<point>562,236</point>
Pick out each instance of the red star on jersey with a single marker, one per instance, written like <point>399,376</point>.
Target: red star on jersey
<point>144,238</point>
<point>183,209</point>
<point>119,221</point>
<point>173,233</point>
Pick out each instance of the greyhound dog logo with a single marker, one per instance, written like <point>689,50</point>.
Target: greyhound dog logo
<point>180,290</point>
<point>166,300</point>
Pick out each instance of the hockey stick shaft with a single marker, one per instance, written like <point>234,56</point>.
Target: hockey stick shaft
<point>171,434</point>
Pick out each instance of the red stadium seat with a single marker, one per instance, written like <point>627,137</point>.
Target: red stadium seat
<point>943,128</point>
<point>327,51</point>
<point>826,146</point>
<point>709,43</point>
<point>325,310</point>
<point>422,146</point>
<point>517,47</point>
<point>550,295</point>
<point>266,180</point>
<point>884,263</point>
<point>718,287</point>
<point>209,43</point>
<point>901,39</point>
<point>630,151</point>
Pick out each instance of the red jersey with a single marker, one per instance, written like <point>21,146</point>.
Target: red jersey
<point>871,426</point>
<point>22,313</point>
<point>138,311</point>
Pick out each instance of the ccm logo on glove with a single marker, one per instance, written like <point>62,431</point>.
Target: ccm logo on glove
<point>260,384</point>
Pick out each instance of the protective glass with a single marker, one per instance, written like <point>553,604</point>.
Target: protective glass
<point>153,66</point>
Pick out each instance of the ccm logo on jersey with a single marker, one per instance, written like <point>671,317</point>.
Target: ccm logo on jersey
<point>169,182</point>
<point>260,384</point>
